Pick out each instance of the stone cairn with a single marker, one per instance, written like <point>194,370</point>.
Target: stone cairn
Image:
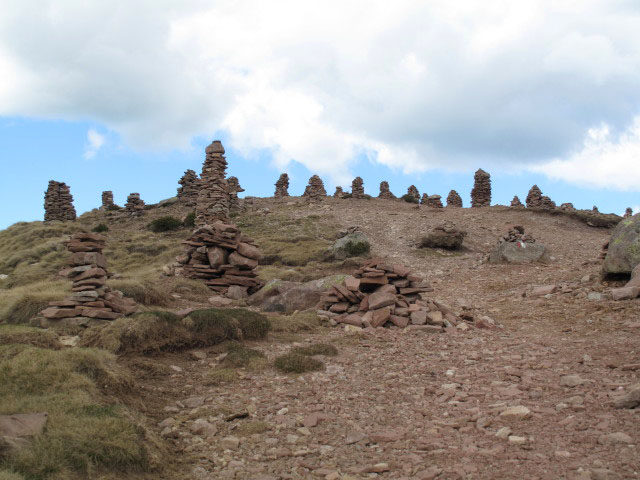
<point>91,297</point>
<point>454,200</point>
<point>282,186</point>
<point>413,191</point>
<point>213,197</point>
<point>424,199</point>
<point>546,203</point>
<point>595,209</point>
<point>433,201</point>
<point>516,234</point>
<point>481,192</point>
<point>58,202</point>
<point>234,188</point>
<point>628,212</point>
<point>107,200</point>
<point>357,188</point>
<point>516,203</point>
<point>315,190</point>
<point>385,192</point>
<point>189,188</point>
<point>567,207</point>
<point>339,193</point>
<point>380,294</point>
<point>533,197</point>
<point>134,205</point>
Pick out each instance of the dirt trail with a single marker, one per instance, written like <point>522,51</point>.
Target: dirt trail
<point>400,404</point>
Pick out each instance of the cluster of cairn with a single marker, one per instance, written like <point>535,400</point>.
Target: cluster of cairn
<point>433,201</point>
<point>107,200</point>
<point>189,188</point>
<point>213,196</point>
<point>91,297</point>
<point>282,186</point>
<point>58,202</point>
<point>515,235</point>
<point>339,193</point>
<point>385,192</point>
<point>454,200</point>
<point>223,257</point>
<point>233,186</point>
<point>134,205</point>
<point>413,192</point>
<point>481,192</point>
<point>315,190</point>
<point>380,294</point>
<point>357,188</point>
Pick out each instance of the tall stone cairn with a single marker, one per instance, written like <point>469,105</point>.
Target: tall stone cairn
<point>357,188</point>
<point>424,199</point>
<point>107,199</point>
<point>516,203</point>
<point>413,191</point>
<point>234,188</point>
<point>282,186</point>
<point>213,197</point>
<point>533,197</point>
<point>134,205</point>
<point>91,299</point>
<point>315,190</point>
<point>189,188</point>
<point>339,193</point>
<point>58,202</point>
<point>434,201</point>
<point>454,200</point>
<point>385,192</point>
<point>481,192</point>
<point>628,212</point>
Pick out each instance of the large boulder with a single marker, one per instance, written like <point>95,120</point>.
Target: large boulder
<point>287,297</point>
<point>446,235</point>
<point>351,245</point>
<point>518,252</point>
<point>624,247</point>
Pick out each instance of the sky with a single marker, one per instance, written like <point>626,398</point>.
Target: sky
<point>125,95</point>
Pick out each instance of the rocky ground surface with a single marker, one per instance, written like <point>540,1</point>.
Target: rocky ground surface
<point>528,400</point>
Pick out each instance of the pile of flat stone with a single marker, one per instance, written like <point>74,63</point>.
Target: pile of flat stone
<point>134,205</point>
<point>454,199</point>
<point>357,188</point>
<point>382,294</point>
<point>339,193</point>
<point>213,197</point>
<point>58,202</point>
<point>385,192</point>
<point>107,200</point>
<point>413,192</point>
<point>567,207</point>
<point>315,190</point>
<point>533,197</point>
<point>432,201</point>
<point>233,186</point>
<point>516,203</point>
<point>515,235</point>
<point>282,186</point>
<point>481,192</point>
<point>189,188</point>
<point>91,299</point>
<point>224,258</point>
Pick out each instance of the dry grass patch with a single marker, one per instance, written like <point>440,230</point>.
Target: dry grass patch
<point>247,429</point>
<point>317,349</point>
<point>220,376</point>
<point>22,334</point>
<point>241,356</point>
<point>307,321</point>
<point>296,363</point>
<point>20,304</point>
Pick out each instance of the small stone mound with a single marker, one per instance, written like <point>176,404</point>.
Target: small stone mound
<point>234,188</point>
<point>413,191</point>
<point>481,192</point>
<point>357,188</point>
<point>517,247</point>
<point>282,186</point>
<point>213,198</point>
<point>134,205</point>
<point>424,199</point>
<point>433,201</point>
<point>546,203</point>
<point>628,213</point>
<point>339,193</point>
<point>447,235</point>
<point>454,200</point>
<point>92,299</point>
<point>223,257</point>
<point>385,192</point>
<point>58,202</point>
<point>189,188</point>
<point>315,190</point>
<point>534,197</point>
<point>107,200</point>
<point>516,234</point>
<point>516,203</point>
<point>595,209</point>
<point>567,207</point>
<point>380,294</point>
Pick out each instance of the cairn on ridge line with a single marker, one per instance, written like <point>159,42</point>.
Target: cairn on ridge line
<point>315,190</point>
<point>628,212</point>
<point>134,205</point>
<point>434,201</point>
<point>107,200</point>
<point>595,209</point>
<point>413,191</point>
<point>213,198</point>
<point>533,197</point>
<point>234,188</point>
<point>58,202</point>
<point>190,186</point>
<point>481,192</point>
<point>282,186</point>
<point>385,192</point>
<point>424,199</point>
<point>339,193</point>
<point>454,199</point>
<point>91,297</point>
<point>357,188</point>
<point>567,207</point>
<point>516,203</point>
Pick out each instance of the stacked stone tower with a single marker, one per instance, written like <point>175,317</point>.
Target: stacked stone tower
<point>282,186</point>
<point>424,199</point>
<point>516,203</point>
<point>107,200</point>
<point>385,192</point>
<point>433,201</point>
<point>189,188</point>
<point>454,200</point>
<point>134,205</point>
<point>315,190</point>
<point>533,197</point>
<point>213,198</point>
<point>481,192</point>
<point>413,191</point>
<point>628,212</point>
<point>357,188</point>
<point>234,188</point>
<point>339,193</point>
<point>58,202</point>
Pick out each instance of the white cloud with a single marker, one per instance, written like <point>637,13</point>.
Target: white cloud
<point>415,86</point>
<point>636,209</point>
<point>95,141</point>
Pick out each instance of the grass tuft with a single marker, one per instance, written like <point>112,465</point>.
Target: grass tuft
<point>165,224</point>
<point>100,228</point>
<point>317,349</point>
<point>296,363</point>
<point>241,356</point>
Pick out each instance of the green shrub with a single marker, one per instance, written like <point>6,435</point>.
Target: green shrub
<point>251,325</point>
<point>355,249</point>
<point>347,195</point>
<point>240,356</point>
<point>190,220</point>
<point>317,349</point>
<point>296,363</point>
<point>164,224</point>
<point>100,228</point>
<point>409,198</point>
